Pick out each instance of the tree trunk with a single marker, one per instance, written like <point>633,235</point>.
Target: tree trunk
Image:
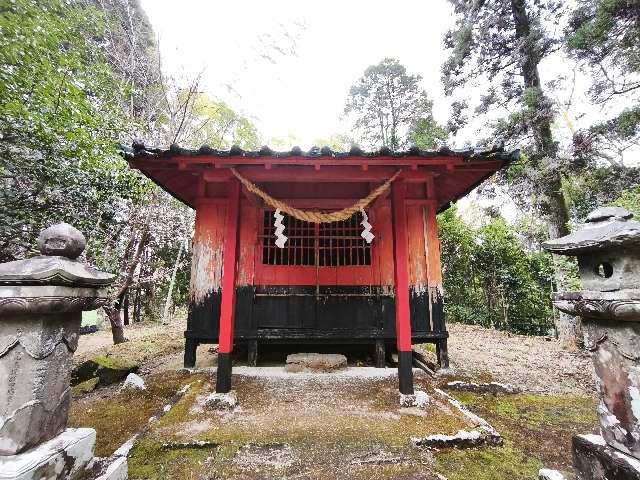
<point>167,303</point>
<point>137,306</point>
<point>553,203</point>
<point>117,327</point>
<point>125,308</point>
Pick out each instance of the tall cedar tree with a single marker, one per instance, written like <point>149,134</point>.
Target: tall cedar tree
<point>390,108</point>
<point>604,35</point>
<point>502,42</point>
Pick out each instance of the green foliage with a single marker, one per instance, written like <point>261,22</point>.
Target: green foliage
<point>606,29</point>
<point>600,186</point>
<point>59,123</point>
<point>390,108</point>
<point>502,43</point>
<point>630,200</point>
<point>491,280</point>
<point>426,132</point>
<point>213,123</point>
<point>336,142</point>
<point>604,35</point>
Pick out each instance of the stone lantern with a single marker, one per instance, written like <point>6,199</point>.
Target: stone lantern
<point>41,304</point>
<point>608,252</point>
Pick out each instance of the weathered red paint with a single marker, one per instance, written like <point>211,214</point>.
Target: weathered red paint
<point>383,244</point>
<point>434,270</point>
<point>228,303</point>
<point>307,174</point>
<point>207,248</point>
<point>249,224</point>
<point>416,238</point>
<point>401,257</point>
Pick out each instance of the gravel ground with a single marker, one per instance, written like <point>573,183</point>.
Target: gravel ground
<point>535,364</point>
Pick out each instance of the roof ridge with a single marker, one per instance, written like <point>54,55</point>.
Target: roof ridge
<point>139,149</point>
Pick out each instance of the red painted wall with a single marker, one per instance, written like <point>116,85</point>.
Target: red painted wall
<point>424,269</point>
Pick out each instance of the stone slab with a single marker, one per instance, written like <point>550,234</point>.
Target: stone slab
<point>221,401</point>
<point>593,459</point>
<point>315,362</point>
<point>118,469</point>
<point>66,456</point>
<point>549,474</point>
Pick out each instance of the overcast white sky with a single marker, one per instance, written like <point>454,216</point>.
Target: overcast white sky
<point>289,64</point>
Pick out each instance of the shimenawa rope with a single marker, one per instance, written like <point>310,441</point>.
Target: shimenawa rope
<point>317,217</point>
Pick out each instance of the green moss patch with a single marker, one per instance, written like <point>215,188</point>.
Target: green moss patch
<point>107,369</point>
<point>85,387</point>
<point>150,461</point>
<point>537,432</point>
<point>117,417</point>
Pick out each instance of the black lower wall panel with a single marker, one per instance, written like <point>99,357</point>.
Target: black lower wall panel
<point>298,313</point>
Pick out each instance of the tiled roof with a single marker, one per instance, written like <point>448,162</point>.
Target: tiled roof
<point>139,150</point>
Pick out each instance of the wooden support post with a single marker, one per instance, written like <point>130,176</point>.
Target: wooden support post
<point>401,271</point>
<point>228,301</point>
<point>190,347</point>
<point>380,353</point>
<point>442,353</point>
<point>252,353</point>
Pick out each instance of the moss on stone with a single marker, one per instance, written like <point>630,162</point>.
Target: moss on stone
<point>114,363</point>
<point>108,369</point>
<point>85,387</point>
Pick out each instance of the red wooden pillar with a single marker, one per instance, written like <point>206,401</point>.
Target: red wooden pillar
<point>401,272</point>
<point>228,301</point>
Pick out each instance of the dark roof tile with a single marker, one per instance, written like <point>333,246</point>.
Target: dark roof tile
<point>139,150</point>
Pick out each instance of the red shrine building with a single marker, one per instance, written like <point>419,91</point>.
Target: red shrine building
<point>327,284</point>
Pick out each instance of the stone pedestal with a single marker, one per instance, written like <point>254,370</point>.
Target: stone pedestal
<point>608,252</point>
<point>593,459</point>
<point>41,304</point>
<point>615,348</point>
<point>67,456</point>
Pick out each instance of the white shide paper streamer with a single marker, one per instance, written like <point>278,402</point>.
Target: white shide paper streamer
<point>281,239</point>
<point>366,233</point>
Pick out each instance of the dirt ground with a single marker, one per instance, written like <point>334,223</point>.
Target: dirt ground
<point>338,425</point>
<point>535,364</point>
<point>322,426</point>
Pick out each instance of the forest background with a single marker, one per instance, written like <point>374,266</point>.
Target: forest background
<point>81,77</point>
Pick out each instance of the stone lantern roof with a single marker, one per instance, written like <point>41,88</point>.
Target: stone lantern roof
<point>54,280</point>
<point>605,228</point>
<point>60,246</point>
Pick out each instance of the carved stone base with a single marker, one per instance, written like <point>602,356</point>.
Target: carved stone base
<point>35,364</point>
<point>593,459</point>
<point>66,456</point>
